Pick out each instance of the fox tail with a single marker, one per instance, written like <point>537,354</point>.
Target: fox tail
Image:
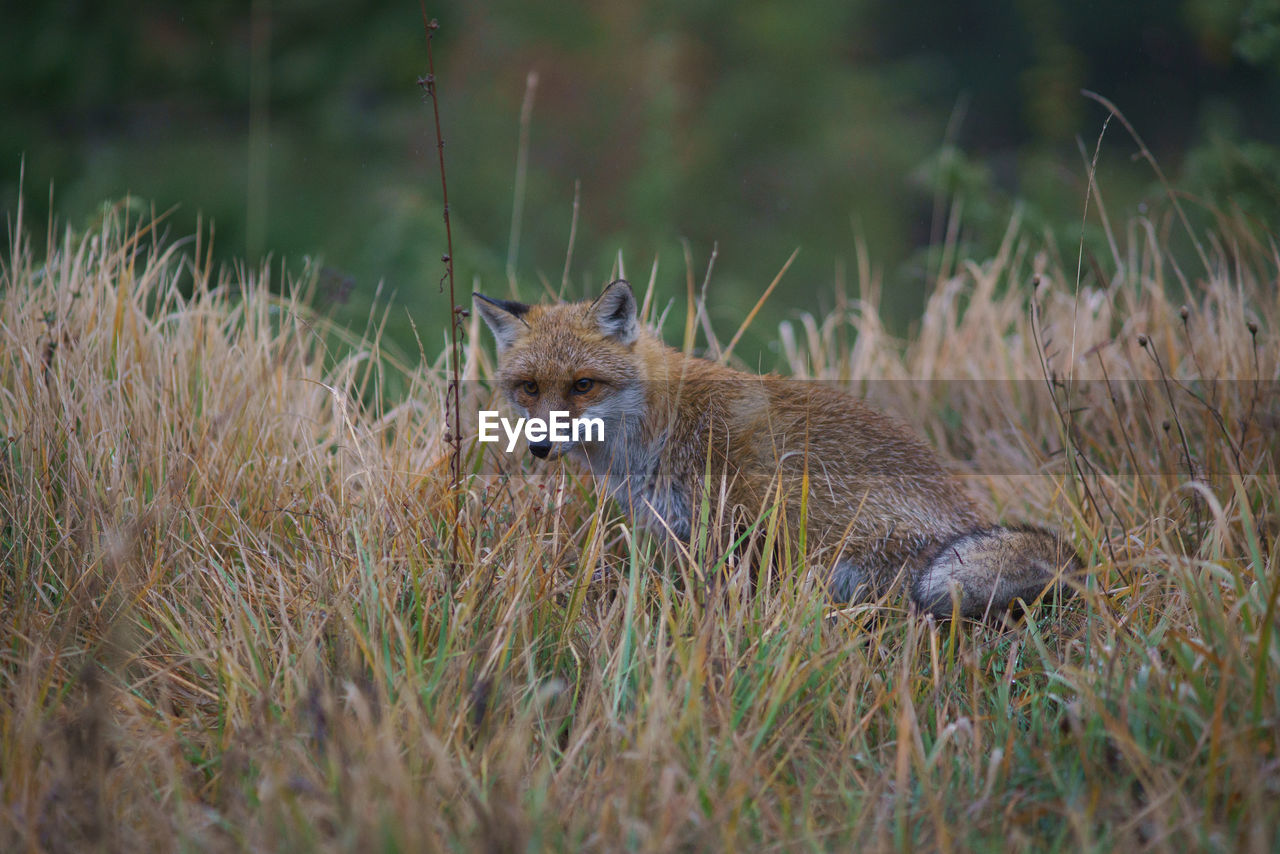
<point>984,572</point>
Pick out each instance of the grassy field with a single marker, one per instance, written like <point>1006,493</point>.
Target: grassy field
<point>232,619</point>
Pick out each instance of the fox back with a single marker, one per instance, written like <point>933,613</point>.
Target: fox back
<point>880,511</point>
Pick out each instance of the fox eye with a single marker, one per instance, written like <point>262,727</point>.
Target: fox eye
<point>529,387</point>
<point>583,385</point>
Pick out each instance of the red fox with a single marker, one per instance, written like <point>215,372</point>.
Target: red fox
<point>880,510</point>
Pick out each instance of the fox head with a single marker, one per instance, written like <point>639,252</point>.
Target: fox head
<point>569,357</point>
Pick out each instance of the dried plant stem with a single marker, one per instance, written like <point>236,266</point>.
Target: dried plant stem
<point>456,313</point>
<point>521,180</point>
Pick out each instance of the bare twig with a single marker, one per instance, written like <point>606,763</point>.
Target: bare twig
<point>456,312</point>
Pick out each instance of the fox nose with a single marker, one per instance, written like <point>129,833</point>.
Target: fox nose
<point>540,449</point>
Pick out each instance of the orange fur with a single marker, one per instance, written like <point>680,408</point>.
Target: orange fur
<point>879,508</point>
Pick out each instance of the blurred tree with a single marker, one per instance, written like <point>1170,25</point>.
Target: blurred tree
<point>757,126</point>
<point>1259,39</point>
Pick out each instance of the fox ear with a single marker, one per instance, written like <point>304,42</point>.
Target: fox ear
<point>503,317</point>
<point>614,312</point>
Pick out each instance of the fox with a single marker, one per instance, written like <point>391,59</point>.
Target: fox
<point>880,512</point>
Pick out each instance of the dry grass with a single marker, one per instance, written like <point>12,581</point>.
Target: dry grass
<point>228,621</point>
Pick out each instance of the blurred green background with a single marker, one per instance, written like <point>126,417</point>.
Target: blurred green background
<point>754,126</point>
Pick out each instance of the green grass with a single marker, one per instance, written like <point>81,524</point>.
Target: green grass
<point>229,623</point>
